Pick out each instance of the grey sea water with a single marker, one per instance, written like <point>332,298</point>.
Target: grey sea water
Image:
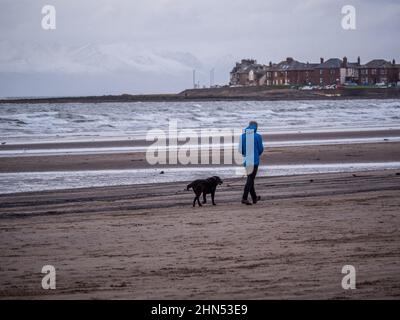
<point>37,122</point>
<point>28,123</point>
<point>38,181</point>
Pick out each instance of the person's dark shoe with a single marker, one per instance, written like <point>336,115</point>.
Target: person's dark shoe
<point>247,202</point>
<point>258,198</point>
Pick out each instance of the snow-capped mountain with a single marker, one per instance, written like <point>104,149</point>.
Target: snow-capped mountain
<point>102,68</point>
<point>93,59</point>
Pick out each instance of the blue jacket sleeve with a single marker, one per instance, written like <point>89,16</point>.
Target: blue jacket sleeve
<point>242,145</point>
<point>260,145</point>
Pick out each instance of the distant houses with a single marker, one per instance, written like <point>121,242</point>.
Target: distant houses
<point>333,71</point>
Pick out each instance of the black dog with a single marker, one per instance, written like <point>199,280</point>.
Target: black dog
<point>204,187</point>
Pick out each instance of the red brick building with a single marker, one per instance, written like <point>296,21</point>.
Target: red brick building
<point>379,71</point>
<point>291,72</point>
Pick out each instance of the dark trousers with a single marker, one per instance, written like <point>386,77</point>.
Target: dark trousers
<point>249,187</point>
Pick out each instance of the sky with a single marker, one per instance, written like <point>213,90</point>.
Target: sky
<point>136,46</point>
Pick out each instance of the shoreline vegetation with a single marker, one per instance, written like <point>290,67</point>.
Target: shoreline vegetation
<point>228,93</point>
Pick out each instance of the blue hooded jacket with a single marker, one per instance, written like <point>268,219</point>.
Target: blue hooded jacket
<point>250,134</point>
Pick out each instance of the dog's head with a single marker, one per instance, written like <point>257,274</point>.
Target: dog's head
<point>217,180</point>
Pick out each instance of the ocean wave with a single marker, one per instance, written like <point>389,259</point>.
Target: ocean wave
<point>12,121</point>
<point>137,118</point>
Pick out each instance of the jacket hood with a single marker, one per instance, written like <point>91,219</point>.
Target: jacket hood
<point>252,127</point>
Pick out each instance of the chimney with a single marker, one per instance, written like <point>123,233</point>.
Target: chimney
<point>394,62</point>
<point>345,62</point>
<point>289,59</point>
<point>322,60</point>
<point>270,63</point>
<point>358,60</point>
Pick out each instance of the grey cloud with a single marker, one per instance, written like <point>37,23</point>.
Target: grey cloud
<point>136,42</point>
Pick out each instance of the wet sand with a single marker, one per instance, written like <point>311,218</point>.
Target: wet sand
<point>146,241</point>
<point>385,150</point>
<point>129,141</point>
<point>346,153</point>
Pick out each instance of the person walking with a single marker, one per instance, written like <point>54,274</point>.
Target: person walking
<point>251,147</point>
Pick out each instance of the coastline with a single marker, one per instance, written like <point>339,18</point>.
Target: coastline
<point>366,146</point>
<point>29,143</point>
<point>47,166</point>
<point>199,159</point>
<point>146,241</point>
<point>365,152</point>
<point>255,93</point>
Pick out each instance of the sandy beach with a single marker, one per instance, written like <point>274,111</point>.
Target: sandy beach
<point>146,241</point>
<point>118,120</point>
<point>327,151</point>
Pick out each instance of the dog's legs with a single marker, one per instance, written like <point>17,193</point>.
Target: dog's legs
<point>197,198</point>
<point>212,197</point>
<point>204,198</point>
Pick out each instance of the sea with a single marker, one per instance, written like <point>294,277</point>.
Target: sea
<point>27,123</point>
<point>39,123</point>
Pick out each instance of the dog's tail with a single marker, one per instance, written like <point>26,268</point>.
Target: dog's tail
<point>190,185</point>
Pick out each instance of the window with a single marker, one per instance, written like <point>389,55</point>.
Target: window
<point>332,71</point>
<point>251,75</point>
<point>321,72</point>
<point>321,81</point>
<point>373,71</point>
<point>382,71</point>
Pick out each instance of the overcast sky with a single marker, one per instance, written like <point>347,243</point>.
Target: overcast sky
<point>132,46</point>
